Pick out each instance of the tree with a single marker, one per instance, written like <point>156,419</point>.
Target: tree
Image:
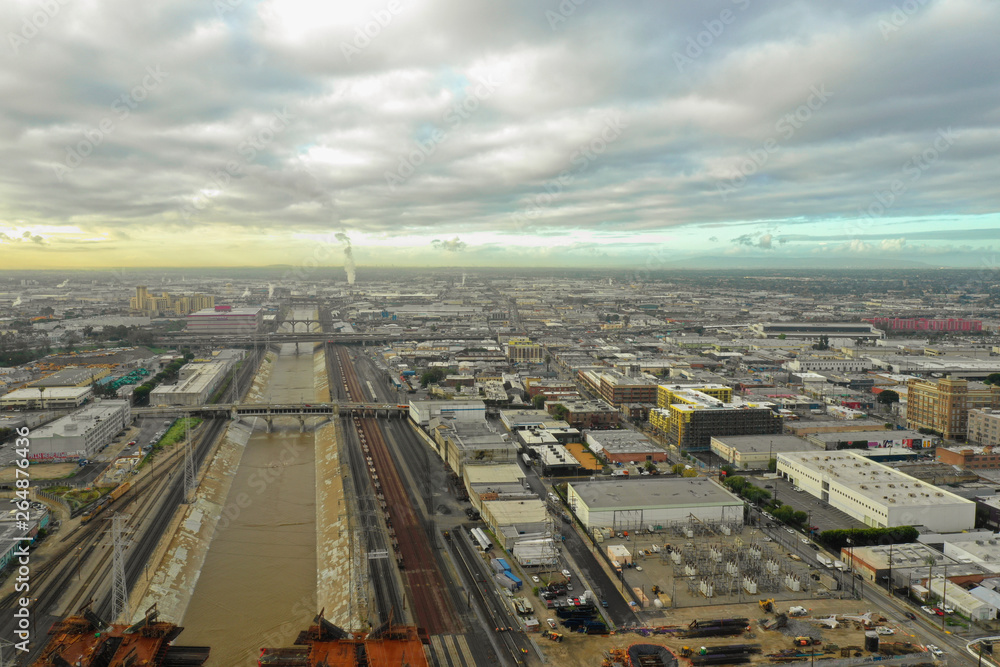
<point>71,340</point>
<point>782,336</point>
<point>772,465</point>
<point>431,376</point>
<point>538,401</point>
<point>548,360</point>
<point>823,344</point>
<point>559,411</point>
<point>677,468</point>
<point>993,378</point>
<point>887,397</point>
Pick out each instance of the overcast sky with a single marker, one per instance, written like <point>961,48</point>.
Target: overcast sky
<point>486,133</point>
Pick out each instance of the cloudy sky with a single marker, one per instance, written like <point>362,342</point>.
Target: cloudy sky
<point>485,133</point>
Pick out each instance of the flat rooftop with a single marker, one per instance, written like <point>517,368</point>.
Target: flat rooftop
<point>880,483</point>
<point>622,442</point>
<point>759,444</point>
<point>653,493</point>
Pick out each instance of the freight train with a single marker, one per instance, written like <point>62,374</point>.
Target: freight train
<point>104,501</point>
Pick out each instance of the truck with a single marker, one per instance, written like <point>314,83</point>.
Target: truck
<point>825,561</point>
<point>840,565</point>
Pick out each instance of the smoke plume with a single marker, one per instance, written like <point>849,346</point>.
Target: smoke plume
<point>348,256</point>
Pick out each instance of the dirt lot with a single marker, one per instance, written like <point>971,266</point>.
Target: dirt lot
<point>584,650</point>
<point>40,471</point>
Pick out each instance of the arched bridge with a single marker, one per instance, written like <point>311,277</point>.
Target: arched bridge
<point>270,411</point>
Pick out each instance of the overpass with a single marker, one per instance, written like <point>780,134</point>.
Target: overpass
<point>270,411</point>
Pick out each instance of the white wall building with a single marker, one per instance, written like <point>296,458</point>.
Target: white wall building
<point>54,398</point>
<point>80,434</point>
<point>962,600</point>
<point>198,383</point>
<point>836,365</point>
<point>647,503</point>
<point>875,494</point>
<point>422,412</point>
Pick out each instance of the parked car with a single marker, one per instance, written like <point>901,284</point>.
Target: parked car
<point>927,610</point>
<point>789,530</point>
<point>938,611</point>
<point>948,610</point>
<point>883,630</point>
<point>815,548</point>
<point>804,540</point>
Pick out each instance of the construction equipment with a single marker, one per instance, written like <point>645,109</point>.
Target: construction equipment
<point>806,641</point>
<point>766,606</point>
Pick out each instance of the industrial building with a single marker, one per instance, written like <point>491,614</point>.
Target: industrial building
<point>80,434</point>
<point>984,426</point>
<point>875,494</point>
<point>875,563</point>
<point>588,414</point>
<point>652,503</point>
<point>944,405</point>
<point>226,320</point>
<point>72,377</point>
<point>624,446</point>
<point>804,428</point>
<point>496,482</point>
<point>522,350</point>
<point>52,398</point>
<point>196,385</point>
<point>421,412</point>
<point>962,600</point>
<point>970,456</point>
<point>873,439</point>
<point>924,324</point>
<point>511,519</point>
<point>813,330</point>
<point>461,443</point>
<point>826,364</point>
<point>516,420</point>
<point>754,452</point>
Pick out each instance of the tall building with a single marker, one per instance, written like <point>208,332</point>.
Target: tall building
<point>523,350</point>
<point>944,405</point>
<point>984,427</point>
<point>165,303</point>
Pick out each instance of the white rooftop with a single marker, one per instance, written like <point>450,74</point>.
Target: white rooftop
<point>873,480</point>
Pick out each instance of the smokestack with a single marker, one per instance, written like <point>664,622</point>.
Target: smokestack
<point>349,265</point>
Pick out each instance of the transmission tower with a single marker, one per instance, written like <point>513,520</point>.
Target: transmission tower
<point>190,477</point>
<point>119,587</point>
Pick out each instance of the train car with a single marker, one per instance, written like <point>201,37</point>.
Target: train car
<point>120,490</point>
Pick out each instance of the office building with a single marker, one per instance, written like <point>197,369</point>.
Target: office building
<point>943,405</point>
<point>522,350</point>
<point>970,456</point>
<point>875,494</point>
<point>587,414</point>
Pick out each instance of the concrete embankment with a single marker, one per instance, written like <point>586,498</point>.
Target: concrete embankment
<point>176,565</point>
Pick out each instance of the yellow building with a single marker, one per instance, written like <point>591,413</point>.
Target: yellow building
<point>523,350</point>
<point>666,394</point>
<point>944,405</point>
<point>163,304</point>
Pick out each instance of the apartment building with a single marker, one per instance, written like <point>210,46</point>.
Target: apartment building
<point>943,405</point>
<point>984,426</point>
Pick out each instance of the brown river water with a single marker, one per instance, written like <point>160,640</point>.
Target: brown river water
<point>258,585</point>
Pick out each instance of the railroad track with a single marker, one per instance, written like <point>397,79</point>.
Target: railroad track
<point>431,604</point>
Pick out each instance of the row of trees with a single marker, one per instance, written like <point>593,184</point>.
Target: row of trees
<point>140,395</point>
<point>866,537</point>
<point>755,495</point>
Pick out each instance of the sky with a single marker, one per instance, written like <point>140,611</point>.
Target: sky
<point>563,133</point>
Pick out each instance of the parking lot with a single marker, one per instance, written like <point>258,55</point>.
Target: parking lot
<point>820,513</point>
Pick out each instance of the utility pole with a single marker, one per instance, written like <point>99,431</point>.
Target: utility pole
<point>119,587</point>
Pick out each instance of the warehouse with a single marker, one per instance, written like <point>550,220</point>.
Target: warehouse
<point>226,320</point>
<point>470,443</point>
<point>496,482</point>
<point>875,494</point>
<point>873,439</point>
<point>753,452</point>
<point>648,503</point>
<point>421,412</point>
<point>962,600</point>
<point>198,383</point>
<point>54,398</point>
<point>72,377</point>
<point>80,434</point>
<point>625,446</point>
<point>509,519</point>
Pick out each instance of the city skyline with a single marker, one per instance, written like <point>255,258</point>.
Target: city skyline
<point>555,134</point>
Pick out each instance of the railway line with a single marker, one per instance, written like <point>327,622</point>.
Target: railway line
<point>431,604</point>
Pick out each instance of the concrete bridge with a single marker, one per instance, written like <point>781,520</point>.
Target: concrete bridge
<point>271,411</point>
<point>296,321</point>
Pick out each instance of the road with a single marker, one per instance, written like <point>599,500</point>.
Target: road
<point>879,598</point>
